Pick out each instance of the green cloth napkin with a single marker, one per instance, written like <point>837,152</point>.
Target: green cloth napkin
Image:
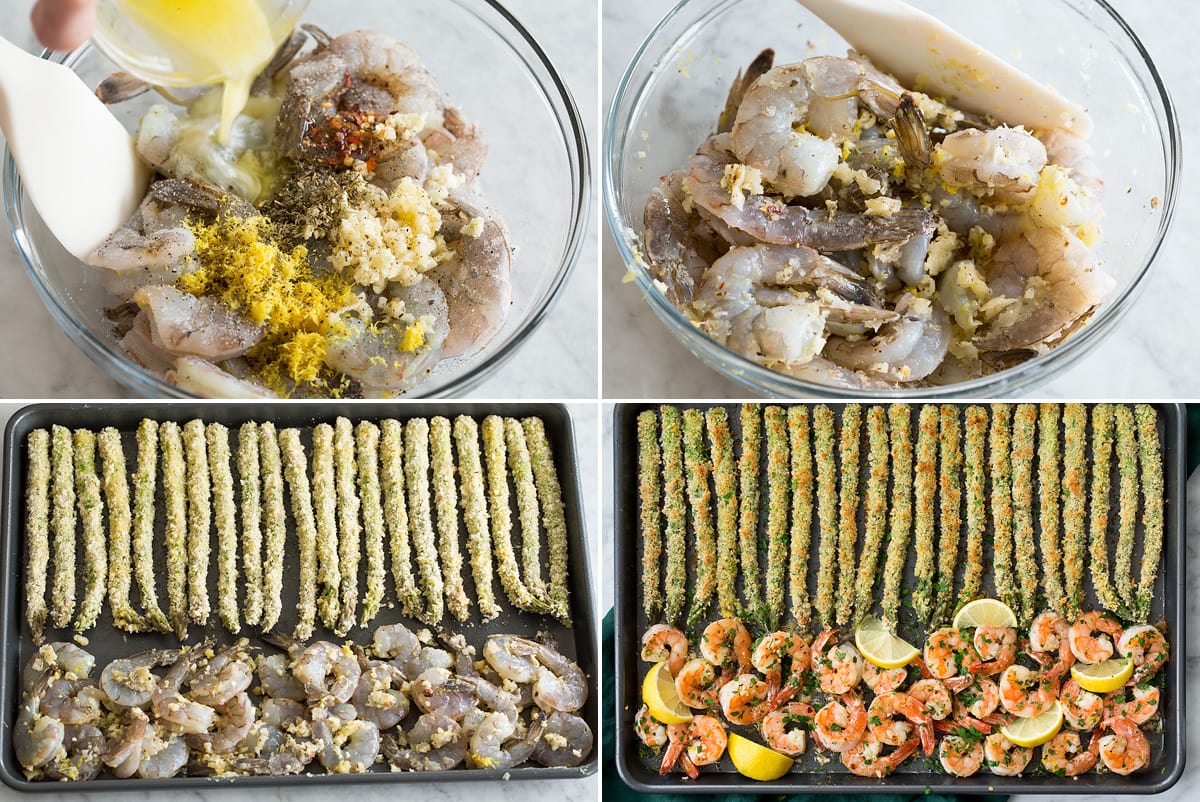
<point>617,791</point>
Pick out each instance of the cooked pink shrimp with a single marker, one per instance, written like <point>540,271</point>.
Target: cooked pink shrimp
<point>1065,756</point>
<point>840,724</point>
<point>1125,749</point>
<point>697,684</point>
<point>894,732</point>
<point>773,653</point>
<point>1082,710</point>
<point>1047,632</point>
<point>1139,704</point>
<point>960,756</point>
<point>784,728</point>
<point>1023,693</point>
<point>995,649</point>
<point>882,680</point>
<point>960,719</point>
<point>866,758</point>
<point>936,696</point>
<point>1088,648</point>
<point>700,742</point>
<point>980,698</point>
<point>653,733</point>
<point>1004,757</point>
<point>726,644</point>
<point>744,700</point>
<point>943,652</point>
<point>1148,648</point>
<point>838,668</point>
<point>665,642</point>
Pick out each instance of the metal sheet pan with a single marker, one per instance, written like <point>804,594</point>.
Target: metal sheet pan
<point>106,642</point>
<point>639,771</point>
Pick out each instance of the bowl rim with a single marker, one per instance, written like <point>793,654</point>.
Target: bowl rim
<point>1033,371</point>
<point>132,375</point>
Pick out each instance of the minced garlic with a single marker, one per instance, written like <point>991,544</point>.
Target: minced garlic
<point>740,180</point>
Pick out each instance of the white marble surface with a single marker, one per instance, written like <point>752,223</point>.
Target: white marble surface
<point>1149,355</point>
<point>1188,787</point>
<point>586,789</point>
<point>559,361</point>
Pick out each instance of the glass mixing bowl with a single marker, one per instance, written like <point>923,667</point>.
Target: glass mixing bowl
<point>536,175</point>
<point>671,94</point>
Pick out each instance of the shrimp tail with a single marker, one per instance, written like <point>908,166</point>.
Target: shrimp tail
<point>761,65</point>
<point>912,134</point>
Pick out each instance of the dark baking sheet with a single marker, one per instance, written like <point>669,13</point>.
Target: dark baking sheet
<point>106,642</point>
<point>640,770</point>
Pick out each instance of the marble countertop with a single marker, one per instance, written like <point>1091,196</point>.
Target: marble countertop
<point>559,360</point>
<point>1188,787</point>
<point>586,789</point>
<point>1149,355</point>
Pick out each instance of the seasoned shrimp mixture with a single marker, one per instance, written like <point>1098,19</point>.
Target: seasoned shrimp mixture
<point>843,230</point>
<point>338,245</point>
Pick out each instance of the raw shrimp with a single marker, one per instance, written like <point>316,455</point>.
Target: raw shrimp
<point>944,651</point>
<point>1086,646</point>
<point>866,758</point>
<point>201,376</point>
<point>435,743</point>
<point>1004,757</point>
<point>651,732</point>
<point>372,353</point>
<point>1148,648</point>
<point>841,723</point>
<point>73,701</point>
<point>476,284</point>
<point>894,732</point>
<point>1082,710</point>
<point>560,683</point>
<point>935,695</point>
<point>63,658</point>
<point>744,699</point>
<point>344,746</point>
<point>995,650</point>
<point>773,652</point>
<point>1125,749</point>
<point>784,728</point>
<point>123,752</point>
<point>960,756</point>
<point>79,758</point>
<point>437,690</point>
<point>224,676</point>
<point>883,680</point>
<point>184,324</point>
<point>1053,279</point>
<point>1002,163</point>
<point>327,671</point>
<point>905,350</point>
<point>1023,693</point>
<point>37,738</point>
<point>380,697</point>
<point>726,644</point>
<point>277,681</point>
<point>1065,756</point>
<point>661,642</point>
<point>772,221</point>
<point>171,707</point>
<point>498,651</point>
<point>457,143</point>
<point>426,658</point>
<point>572,742</point>
<point>697,684</point>
<point>233,721</point>
<point>751,300</point>
<point>128,681</point>
<point>488,744</point>
<point>164,754</point>
<point>838,667</point>
<point>677,256</point>
<point>700,742</point>
<point>397,642</point>
<point>1138,703</point>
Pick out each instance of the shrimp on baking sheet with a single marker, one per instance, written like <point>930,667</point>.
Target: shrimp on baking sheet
<point>700,742</point>
<point>1124,749</point>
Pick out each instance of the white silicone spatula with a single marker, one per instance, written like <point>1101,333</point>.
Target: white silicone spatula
<point>927,54</point>
<point>76,161</point>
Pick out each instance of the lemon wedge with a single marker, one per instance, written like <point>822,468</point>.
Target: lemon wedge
<point>1103,677</point>
<point>757,761</point>
<point>1031,732</point>
<point>880,647</point>
<point>661,698</point>
<point>985,613</point>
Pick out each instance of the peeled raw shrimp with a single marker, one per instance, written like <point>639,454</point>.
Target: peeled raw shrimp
<point>838,667</point>
<point>164,753</point>
<point>784,728</point>
<point>1023,693</point>
<point>458,143</point>
<point>841,723</point>
<point>171,707</point>
<point>475,281</point>
<point>435,743</point>
<point>677,256</point>
<point>1002,163</point>
<point>560,683</point>
<point>650,731</point>
<point>73,701</point>
<point>123,752</point>
<point>775,651</point>
<point>200,376</point>
<point>894,732</point>
<point>700,742</point>
<point>744,699</point>
<point>1082,710</point>
<point>1065,756</point>
<point>37,738</point>
<point>1138,703</point>
<point>1086,645</point>
<point>372,353</point>
<point>62,658</point>
<point>1053,279</point>
<point>509,660</point>
<point>380,697</point>
<point>437,690</point>
<point>697,684</point>
<point>1148,648</point>
<point>726,644</point>
<point>906,350</point>
<point>184,324</point>
<point>344,746</point>
<point>960,756</point>
<point>866,758</point>
<point>227,674</point>
<point>665,642</point>
<point>232,724</point>
<point>1004,757</point>
<point>1125,749</point>
<point>277,681</point>
<point>79,758</point>
<point>575,744</point>
<point>488,744</point>
<point>427,657</point>
<point>327,671</point>
<point>396,642</point>
<point>128,681</point>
